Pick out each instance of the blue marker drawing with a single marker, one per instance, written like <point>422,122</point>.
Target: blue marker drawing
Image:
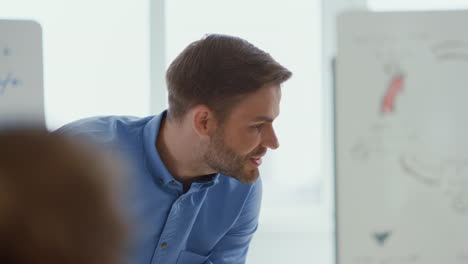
<point>9,81</point>
<point>382,237</point>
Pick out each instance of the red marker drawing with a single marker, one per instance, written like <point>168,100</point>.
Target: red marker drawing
<point>396,85</point>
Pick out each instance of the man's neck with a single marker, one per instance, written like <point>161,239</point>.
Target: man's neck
<point>178,148</point>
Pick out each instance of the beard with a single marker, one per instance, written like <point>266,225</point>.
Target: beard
<point>225,160</point>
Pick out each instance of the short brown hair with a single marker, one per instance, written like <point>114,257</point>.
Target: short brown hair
<point>217,71</point>
<point>56,205</point>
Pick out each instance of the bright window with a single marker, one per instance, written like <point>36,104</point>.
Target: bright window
<point>96,56</point>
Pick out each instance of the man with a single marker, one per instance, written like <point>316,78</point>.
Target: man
<point>195,166</point>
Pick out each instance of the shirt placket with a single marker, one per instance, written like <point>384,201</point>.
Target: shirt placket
<point>179,223</point>
<point>167,242</point>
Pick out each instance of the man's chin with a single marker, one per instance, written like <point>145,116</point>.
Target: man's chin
<point>248,177</point>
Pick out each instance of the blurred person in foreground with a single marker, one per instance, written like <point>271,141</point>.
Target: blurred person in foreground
<point>58,201</point>
<point>195,166</point>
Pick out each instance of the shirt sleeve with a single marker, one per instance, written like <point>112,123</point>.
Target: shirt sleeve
<point>233,247</point>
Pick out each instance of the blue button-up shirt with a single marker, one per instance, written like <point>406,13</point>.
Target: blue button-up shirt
<point>211,223</point>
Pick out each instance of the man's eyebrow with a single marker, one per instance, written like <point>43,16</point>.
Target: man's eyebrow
<point>263,118</point>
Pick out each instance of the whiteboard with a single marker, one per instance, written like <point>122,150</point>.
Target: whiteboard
<point>401,131</point>
<point>21,72</point>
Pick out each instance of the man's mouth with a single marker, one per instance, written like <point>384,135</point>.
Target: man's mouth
<point>256,161</point>
<point>256,157</point>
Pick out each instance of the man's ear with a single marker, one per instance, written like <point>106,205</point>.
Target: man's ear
<point>203,120</point>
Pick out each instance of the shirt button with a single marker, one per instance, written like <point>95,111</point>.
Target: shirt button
<point>164,245</point>
<point>173,182</point>
<point>161,181</point>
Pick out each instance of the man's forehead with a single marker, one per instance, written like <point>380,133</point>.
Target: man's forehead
<point>262,105</point>
<point>246,115</point>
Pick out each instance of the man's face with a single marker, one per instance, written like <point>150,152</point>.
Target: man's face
<point>237,147</point>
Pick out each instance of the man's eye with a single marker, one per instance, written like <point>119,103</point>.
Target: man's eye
<point>259,126</point>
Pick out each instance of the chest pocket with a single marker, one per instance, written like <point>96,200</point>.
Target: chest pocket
<point>187,257</point>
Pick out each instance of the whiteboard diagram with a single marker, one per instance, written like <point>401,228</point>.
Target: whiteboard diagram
<point>21,73</point>
<point>401,149</point>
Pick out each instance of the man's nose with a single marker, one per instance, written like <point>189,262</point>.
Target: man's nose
<point>270,139</point>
